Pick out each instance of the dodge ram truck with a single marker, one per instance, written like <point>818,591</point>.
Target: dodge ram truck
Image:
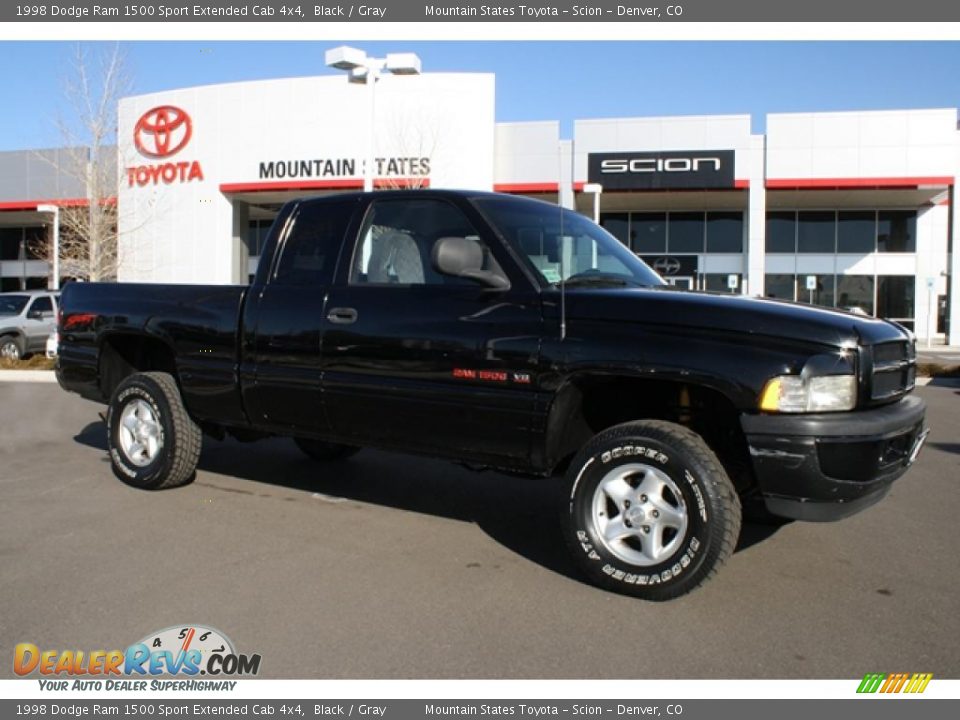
<point>509,333</point>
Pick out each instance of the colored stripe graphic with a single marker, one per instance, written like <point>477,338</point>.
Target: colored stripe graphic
<point>894,682</point>
<point>871,682</point>
<point>919,683</point>
<point>901,678</point>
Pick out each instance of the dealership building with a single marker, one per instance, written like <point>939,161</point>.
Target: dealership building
<point>845,209</point>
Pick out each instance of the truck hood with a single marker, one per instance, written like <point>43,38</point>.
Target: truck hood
<point>709,311</point>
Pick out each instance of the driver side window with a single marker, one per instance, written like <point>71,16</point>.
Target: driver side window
<point>396,243</point>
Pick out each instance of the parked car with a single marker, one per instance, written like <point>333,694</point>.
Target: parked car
<point>508,333</point>
<point>26,320</point>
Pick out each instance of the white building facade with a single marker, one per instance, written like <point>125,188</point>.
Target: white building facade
<point>852,209</point>
<point>200,167</point>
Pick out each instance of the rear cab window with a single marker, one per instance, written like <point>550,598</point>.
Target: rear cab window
<point>313,241</point>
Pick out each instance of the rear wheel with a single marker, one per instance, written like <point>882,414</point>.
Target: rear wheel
<point>650,512</point>
<point>153,442</point>
<point>325,451</point>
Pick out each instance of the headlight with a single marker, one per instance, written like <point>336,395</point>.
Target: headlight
<point>794,394</point>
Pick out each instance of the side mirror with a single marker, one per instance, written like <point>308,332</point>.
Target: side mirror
<point>461,257</point>
<point>34,315</point>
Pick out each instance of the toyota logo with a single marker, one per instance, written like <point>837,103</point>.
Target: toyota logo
<point>666,265</point>
<point>162,131</point>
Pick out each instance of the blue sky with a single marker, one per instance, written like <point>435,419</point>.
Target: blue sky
<point>537,80</point>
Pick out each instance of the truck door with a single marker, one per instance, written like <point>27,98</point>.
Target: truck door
<point>418,360</point>
<point>284,318</point>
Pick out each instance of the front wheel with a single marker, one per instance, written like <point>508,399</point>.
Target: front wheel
<point>11,348</point>
<point>650,511</point>
<point>153,442</point>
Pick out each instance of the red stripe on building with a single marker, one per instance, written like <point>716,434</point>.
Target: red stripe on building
<point>339,184</point>
<point>737,185</point>
<point>63,202</point>
<point>526,187</point>
<point>887,183</point>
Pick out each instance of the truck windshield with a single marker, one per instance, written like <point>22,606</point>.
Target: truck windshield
<point>12,304</point>
<point>561,244</point>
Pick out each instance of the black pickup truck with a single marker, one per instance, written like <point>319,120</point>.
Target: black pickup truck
<point>507,333</point>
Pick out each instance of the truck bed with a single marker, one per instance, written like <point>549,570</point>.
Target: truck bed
<point>195,327</point>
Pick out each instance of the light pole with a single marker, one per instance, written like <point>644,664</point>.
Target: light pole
<point>595,189</point>
<point>365,69</point>
<point>55,210</point>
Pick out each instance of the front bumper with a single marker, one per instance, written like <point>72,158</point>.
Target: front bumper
<point>829,466</point>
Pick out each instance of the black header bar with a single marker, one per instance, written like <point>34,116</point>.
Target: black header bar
<point>192,705</point>
<point>419,11</point>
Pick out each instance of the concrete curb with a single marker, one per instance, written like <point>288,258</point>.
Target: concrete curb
<point>37,376</point>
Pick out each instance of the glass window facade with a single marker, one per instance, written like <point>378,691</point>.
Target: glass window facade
<point>822,294</point>
<point>10,239</point>
<point>816,231</point>
<point>18,246</point>
<point>782,287</point>
<point>685,232</point>
<point>648,233</point>
<point>856,232</point>
<point>724,232</point>
<point>895,295</point>
<point>789,232</point>
<point>886,296</point>
<point>782,232</point>
<point>851,232</point>
<point>618,225</point>
<point>718,282</point>
<point>678,233</point>
<point>855,291</point>
<point>897,231</point>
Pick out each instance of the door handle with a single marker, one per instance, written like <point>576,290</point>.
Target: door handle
<point>342,316</point>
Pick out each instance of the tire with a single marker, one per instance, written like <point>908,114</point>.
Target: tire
<point>325,451</point>
<point>153,443</point>
<point>11,348</point>
<point>650,510</point>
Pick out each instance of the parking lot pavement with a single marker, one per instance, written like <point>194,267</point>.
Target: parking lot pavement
<point>385,566</point>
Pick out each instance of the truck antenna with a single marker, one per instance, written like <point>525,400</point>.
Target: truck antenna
<point>563,282</point>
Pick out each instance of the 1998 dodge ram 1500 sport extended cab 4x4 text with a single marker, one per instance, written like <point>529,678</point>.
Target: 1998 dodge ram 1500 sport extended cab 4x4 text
<point>509,333</point>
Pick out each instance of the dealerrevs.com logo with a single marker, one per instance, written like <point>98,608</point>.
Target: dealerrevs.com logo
<point>182,651</point>
<point>160,133</point>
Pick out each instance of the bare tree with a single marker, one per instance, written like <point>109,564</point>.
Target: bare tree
<point>93,84</point>
<point>414,136</point>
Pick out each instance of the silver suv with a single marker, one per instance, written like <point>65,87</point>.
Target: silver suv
<point>26,320</point>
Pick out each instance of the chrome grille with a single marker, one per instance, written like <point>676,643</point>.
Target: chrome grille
<point>894,369</point>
